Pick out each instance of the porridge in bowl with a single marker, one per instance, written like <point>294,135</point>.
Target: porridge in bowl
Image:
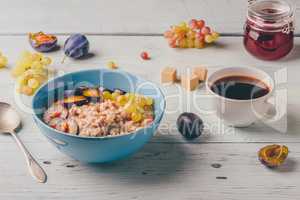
<point>99,112</point>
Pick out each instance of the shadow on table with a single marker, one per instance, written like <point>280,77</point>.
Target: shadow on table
<point>289,166</point>
<point>157,162</point>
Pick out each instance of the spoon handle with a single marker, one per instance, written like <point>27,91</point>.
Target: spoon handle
<point>35,169</point>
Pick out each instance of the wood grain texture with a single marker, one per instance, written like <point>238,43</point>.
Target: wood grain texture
<point>125,51</point>
<point>168,166</point>
<point>177,171</point>
<point>120,17</point>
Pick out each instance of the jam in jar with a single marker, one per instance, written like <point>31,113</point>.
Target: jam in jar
<point>269,29</point>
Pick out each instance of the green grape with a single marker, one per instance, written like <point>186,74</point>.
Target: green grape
<point>25,55</point>
<point>141,101</point>
<point>121,100</point>
<point>40,78</point>
<point>209,38</point>
<point>37,65</point>
<point>130,96</point>
<point>136,116</point>
<point>22,80</point>
<point>115,95</point>
<point>37,71</point>
<point>106,95</point>
<point>26,63</point>
<point>17,71</point>
<point>46,61</point>
<point>36,57</point>
<point>130,108</point>
<point>3,61</point>
<point>33,83</point>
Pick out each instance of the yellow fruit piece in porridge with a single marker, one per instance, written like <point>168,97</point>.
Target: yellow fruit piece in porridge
<point>149,101</point>
<point>130,108</point>
<point>122,100</point>
<point>141,101</point>
<point>106,95</point>
<point>136,116</point>
<point>115,95</point>
<point>130,96</point>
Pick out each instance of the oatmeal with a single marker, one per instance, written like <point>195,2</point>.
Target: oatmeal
<point>99,112</point>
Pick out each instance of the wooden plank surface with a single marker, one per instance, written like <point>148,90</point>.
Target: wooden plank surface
<point>125,51</point>
<point>159,171</point>
<point>120,17</point>
<point>168,166</point>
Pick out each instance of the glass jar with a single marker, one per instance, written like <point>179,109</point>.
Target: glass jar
<point>269,29</point>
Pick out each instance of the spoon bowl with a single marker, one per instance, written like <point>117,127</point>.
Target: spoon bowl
<point>10,122</point>
<point>9,118</point>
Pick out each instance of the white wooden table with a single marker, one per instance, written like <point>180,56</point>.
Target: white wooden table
<point>168,166</point>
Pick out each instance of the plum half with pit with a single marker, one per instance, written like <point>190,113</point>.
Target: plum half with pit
<point>190,125</point>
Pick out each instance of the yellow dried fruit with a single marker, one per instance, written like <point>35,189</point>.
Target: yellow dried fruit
<point>112,65</point>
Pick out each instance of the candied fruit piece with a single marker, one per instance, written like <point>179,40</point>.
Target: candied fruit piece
<point>112,65</point>
<point>273,155</point>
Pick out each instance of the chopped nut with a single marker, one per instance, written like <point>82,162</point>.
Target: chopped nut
<point>168,75</point>
<point>200,72</point>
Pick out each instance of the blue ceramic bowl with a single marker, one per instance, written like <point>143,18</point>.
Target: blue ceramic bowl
<point>97,149</point>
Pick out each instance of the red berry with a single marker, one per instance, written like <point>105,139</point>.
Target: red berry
<point>145,56</point>
<point>200,24</point>
<point>205,30</point>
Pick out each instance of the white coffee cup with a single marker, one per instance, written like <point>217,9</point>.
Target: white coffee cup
<point>241,113</point>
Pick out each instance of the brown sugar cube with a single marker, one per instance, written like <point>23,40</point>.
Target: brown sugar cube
<point>200,72</point>
<point>189,82</point>
<point>168,75</point>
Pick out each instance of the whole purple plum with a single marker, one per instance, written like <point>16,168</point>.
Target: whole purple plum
<point>76,46</point>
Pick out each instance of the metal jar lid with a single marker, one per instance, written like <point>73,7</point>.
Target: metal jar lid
<point>271,15</point>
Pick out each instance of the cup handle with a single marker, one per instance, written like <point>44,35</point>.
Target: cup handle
<point>271,113</point>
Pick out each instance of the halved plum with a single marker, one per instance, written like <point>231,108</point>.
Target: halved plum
<point>120,91</point>
<point>92,94</point>
<point>75,100</point>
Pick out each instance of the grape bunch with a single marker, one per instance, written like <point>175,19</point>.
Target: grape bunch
<point>3,61</point>
<point>31,71</point>
<point>193,35</point>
